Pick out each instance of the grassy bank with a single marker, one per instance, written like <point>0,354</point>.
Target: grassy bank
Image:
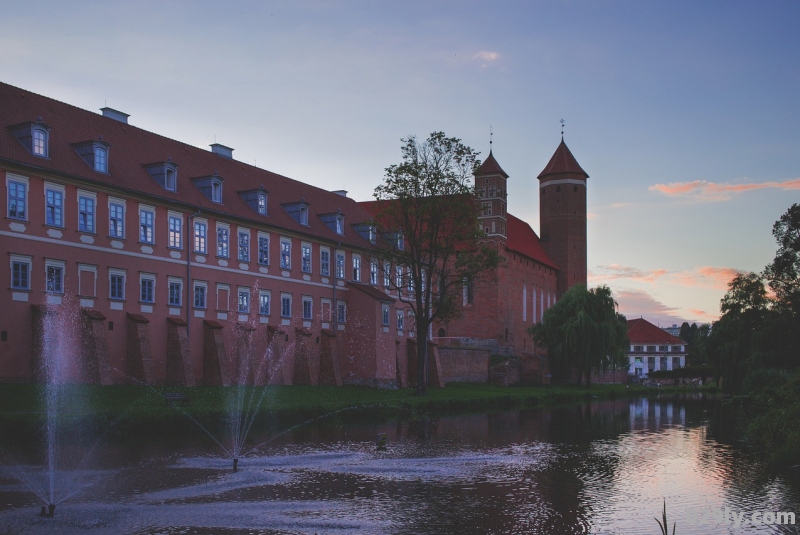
<point>143,404</point>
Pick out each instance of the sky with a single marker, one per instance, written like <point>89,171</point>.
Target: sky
<point>684,114</point>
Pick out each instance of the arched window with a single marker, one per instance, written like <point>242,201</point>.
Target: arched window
<point>169,179</point>
<point>101,160</point>
<point>39,142</point>
<point>441,333</point>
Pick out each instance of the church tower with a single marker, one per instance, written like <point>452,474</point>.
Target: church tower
<point>490,188</point>
<point>562,216</point>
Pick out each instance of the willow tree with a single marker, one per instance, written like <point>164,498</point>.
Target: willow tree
<point>429,234</point>
<point>583,333</point>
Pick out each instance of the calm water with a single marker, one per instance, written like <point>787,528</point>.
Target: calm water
<point>594,468</point>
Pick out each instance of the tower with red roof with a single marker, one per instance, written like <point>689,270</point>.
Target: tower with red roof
<point>562,216</point>
<point>490,188</point>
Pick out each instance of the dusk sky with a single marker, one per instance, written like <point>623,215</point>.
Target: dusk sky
<point>684,114</point>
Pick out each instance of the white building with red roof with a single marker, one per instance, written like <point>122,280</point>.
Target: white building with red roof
<point>653,349</point>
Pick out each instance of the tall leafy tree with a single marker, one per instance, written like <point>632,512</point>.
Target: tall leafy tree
<point>583,333</point>
<point>783,273</point>
<point>428,220</point>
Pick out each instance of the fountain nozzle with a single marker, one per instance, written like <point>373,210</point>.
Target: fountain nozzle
<point>235,464</point>
<point>48,510</point>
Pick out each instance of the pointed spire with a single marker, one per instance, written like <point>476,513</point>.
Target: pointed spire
<point>562,162</point>
<point>490,167</point>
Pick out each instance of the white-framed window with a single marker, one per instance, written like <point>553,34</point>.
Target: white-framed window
<point>398,277</point>
<point>175,291</point>
<point>422,280</point>
<point>410,278</point>
<point>303,215</point>
<point>54,204</point>
<point>486,208</point>
<point>339,264</point>
<point>341,311</point>
<point>175,231</point>
<point>244,245</point>
<point>305,250</point>
<point>86,211</point>
<point>339,225</point>
<point>372,234</point>
<point>39,145</point>
<point>17,196</point>
<point>264,298</point>
<point>262,203</point>
<point>263,249</point>
<point>87,280</point>
<point>401,320</point>
<point>170,181</point>
<point>385,314</point>
<point>200,236</point>
<point>200,294</point>
<point>223,240</point>
<point>147,288</point>
<point>286,253</point>
<point>387,274</point>
<point>116,284</point>
<point>308,304</point>
<point>116,218</point>
<point>147,221</point>
<point>325,261</point>
<point>244,300</point>
<point>54,276</point>
<point>21,272</point>
<point>286,305</point>
<point>401,244</point>
<point>101,160</point>
<point>356,268</point>
<point>373,272</point>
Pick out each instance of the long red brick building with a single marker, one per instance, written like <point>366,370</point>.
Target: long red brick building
<point>161,262</point>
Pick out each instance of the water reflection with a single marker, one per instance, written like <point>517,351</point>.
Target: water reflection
<point>601,467</point>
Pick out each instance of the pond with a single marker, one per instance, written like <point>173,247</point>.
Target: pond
<point>601,467</point>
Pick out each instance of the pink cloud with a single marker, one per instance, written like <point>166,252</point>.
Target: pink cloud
<point>722,191</point>
<point>637,303</point>
<point>716,278</point>
<point>617,271</point>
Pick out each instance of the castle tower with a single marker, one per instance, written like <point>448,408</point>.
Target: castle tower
<point>490,188</point>
<point>562,216</point>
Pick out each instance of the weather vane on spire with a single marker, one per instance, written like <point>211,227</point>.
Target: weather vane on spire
<point>490,138</point>
<point>562,129</point>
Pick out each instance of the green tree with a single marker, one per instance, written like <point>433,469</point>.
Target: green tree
<point>428,221</point>
<point>583,333</point>
<point>783,274</point>
<point>734,343</point>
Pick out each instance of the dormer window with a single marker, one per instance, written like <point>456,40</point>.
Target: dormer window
<point>256,199</point>
<point>335,222</point>
<point>367,231</point>
<point>40,142</point>
<point>298,211</point>
<point>101,160</point>
<point>165,173</point>
<point>34,136</point>
<point>210,186</point>
<point>395,239</point>
<point>94,153</point>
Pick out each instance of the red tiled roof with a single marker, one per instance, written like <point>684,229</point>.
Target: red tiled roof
<point>372,291</point>
<point>522,239</point>
<point>132,147</point>
<point>490,167</point>
<point>641,331</point>
<point>563,161</point>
